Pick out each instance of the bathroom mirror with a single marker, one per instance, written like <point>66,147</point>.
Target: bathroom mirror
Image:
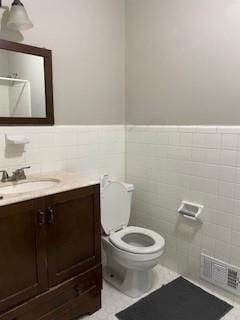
<point>26,90</point>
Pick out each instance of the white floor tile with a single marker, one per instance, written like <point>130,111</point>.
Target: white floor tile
<point>114,301</point>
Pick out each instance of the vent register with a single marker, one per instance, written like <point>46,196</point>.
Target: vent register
<point>221,274</point>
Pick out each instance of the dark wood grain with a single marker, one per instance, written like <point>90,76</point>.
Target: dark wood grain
<point>73,238</point>
<point>51,270</point>
<point>47,57</point>
<point>21,252</point>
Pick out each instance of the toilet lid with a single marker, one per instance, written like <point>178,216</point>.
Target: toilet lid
<point>156,244</point>
<point>115,207</point>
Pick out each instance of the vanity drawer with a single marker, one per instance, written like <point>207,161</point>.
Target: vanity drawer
<point>87,303</point>
<point>78,293</point>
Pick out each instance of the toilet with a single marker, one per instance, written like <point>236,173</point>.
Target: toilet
<point>131,252</point>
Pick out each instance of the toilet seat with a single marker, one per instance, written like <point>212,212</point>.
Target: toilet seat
<point>117,239</point>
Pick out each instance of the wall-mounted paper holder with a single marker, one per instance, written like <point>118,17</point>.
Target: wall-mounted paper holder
<point>190,210</point>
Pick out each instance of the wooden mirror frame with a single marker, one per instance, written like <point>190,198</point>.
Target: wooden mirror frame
<point>47,56</point>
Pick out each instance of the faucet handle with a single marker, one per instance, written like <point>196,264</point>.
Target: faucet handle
<point>23,168</point>
<point>5,175</point>
<point>20,174</point>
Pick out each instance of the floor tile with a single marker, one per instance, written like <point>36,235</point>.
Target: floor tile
<point>114,301</point>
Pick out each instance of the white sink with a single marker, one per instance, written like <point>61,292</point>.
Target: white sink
<point>28,186</point>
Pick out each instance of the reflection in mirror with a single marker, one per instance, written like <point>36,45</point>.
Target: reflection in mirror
<point>22,85</point>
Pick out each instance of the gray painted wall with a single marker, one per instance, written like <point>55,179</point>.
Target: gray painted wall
<point>88,42</point>
<point>183,62</point>
<point>182,59</point>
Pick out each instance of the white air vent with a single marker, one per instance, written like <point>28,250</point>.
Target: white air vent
<point>220,273</point>
<point>233,280</point>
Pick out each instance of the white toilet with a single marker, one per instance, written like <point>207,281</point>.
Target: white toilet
<point>131,252</point>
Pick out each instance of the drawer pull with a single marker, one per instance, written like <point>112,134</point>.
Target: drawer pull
<point>50,215</point>
<point>41,218</point>
<point>78,290</point>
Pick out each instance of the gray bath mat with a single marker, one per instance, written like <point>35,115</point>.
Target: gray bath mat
<point>179,300</point>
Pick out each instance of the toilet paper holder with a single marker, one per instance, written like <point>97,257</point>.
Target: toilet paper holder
<point>190,210</point>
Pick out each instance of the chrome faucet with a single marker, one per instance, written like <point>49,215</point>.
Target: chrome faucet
<point>17,175</point>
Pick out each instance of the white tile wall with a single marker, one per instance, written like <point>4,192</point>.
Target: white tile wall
<point>167,164</point>
<point>90,150</point>
<point>198,164</point>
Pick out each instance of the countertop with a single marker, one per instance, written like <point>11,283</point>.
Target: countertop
<point>67,181</point>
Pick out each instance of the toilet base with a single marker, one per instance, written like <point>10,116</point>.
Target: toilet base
<point>134,284</point>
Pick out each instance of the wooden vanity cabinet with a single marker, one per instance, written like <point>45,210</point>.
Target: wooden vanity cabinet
<point>23,271</point>
<point>50,256</point>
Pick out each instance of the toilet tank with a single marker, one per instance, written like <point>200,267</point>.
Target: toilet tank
<point>130,189</point>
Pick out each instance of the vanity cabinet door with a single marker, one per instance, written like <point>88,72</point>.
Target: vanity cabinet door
<point>22,255</point>
<point>74,233</point>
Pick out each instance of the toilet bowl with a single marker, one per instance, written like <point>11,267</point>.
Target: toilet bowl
<point>131,252</point>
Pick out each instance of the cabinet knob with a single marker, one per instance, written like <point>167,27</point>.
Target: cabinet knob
<point>78,290</point>
<point>41,218</point>
<point>50,215</point>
